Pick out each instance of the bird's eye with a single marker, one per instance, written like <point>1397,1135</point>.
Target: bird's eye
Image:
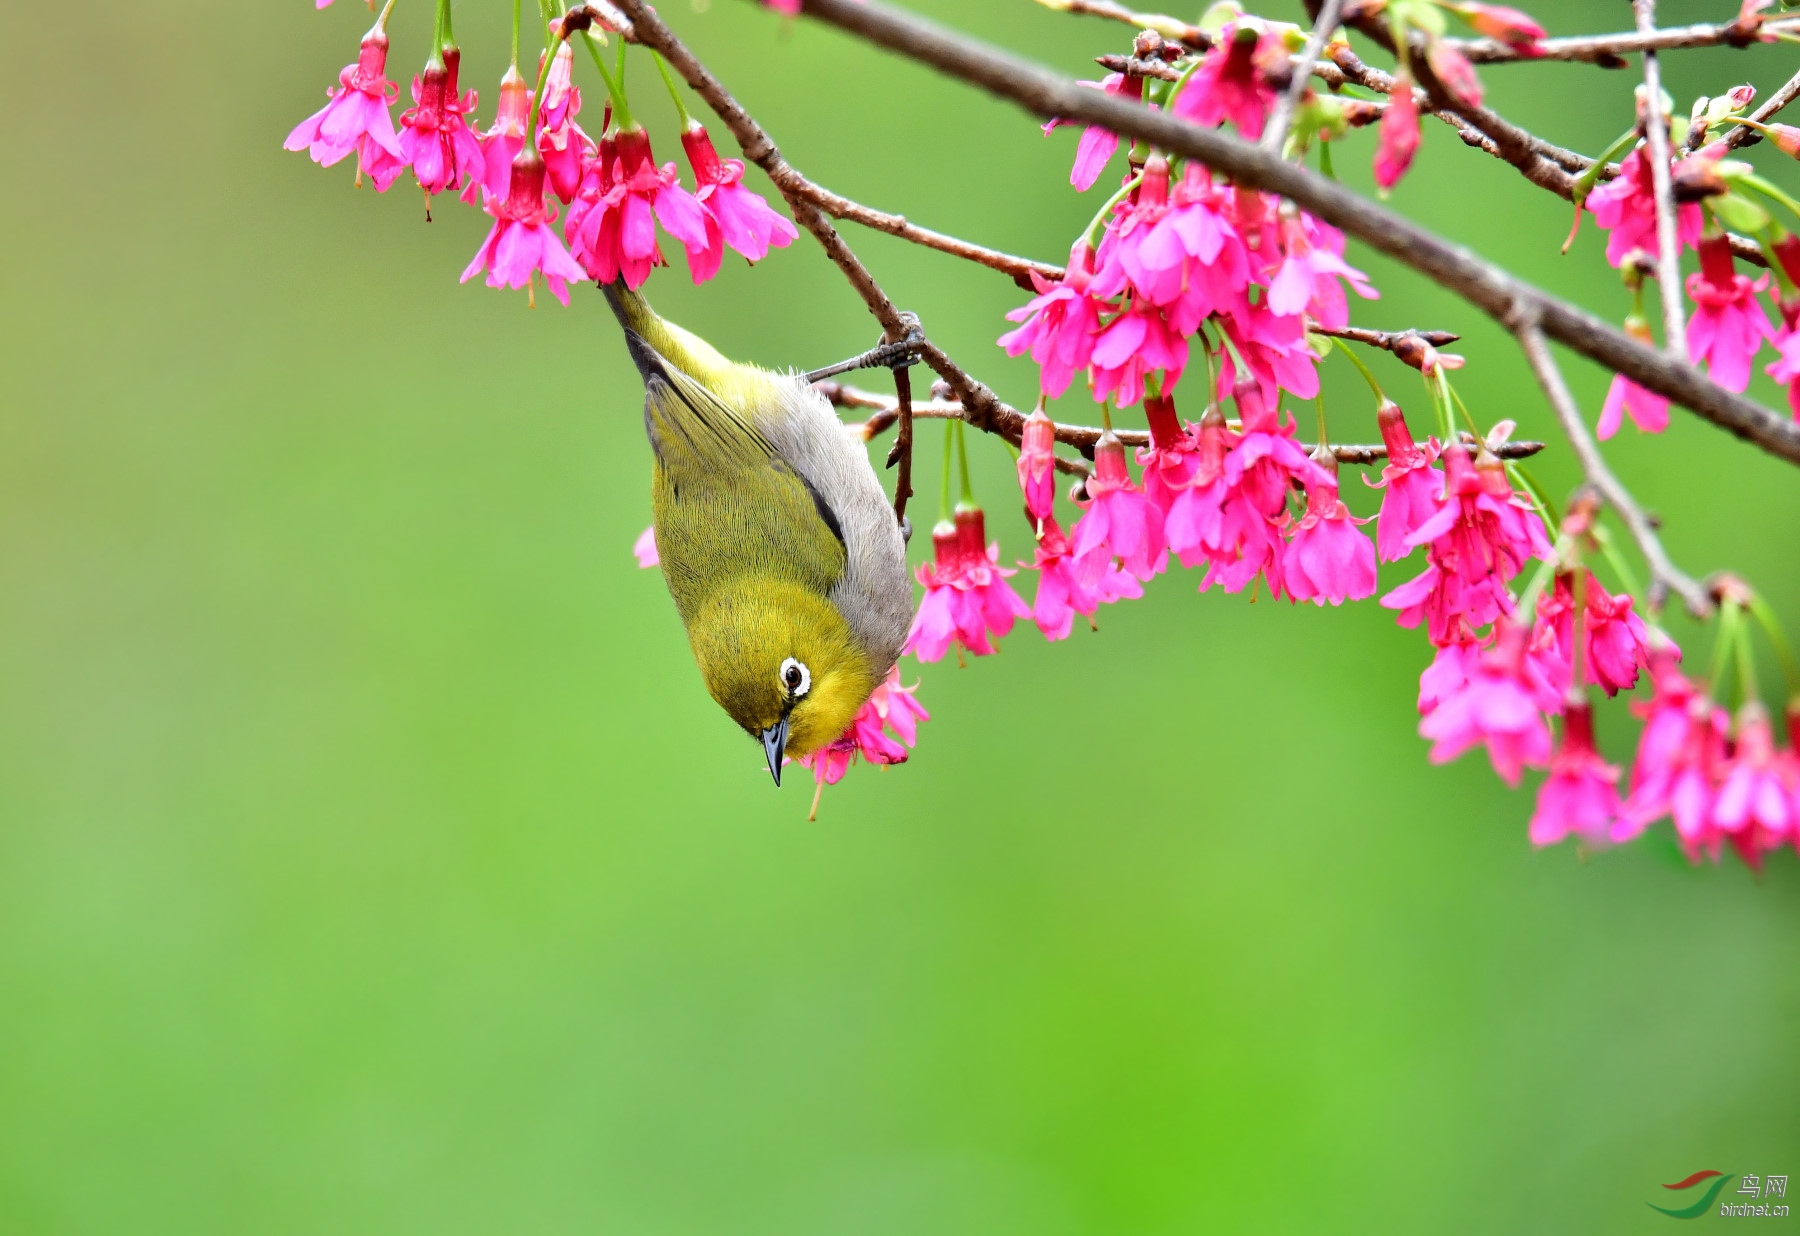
<point>796,678</point>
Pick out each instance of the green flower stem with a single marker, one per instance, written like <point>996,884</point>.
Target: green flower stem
<point>537,97</point>
<point>949,449</point>
<point>615,88</point>
<point>1764,613</point>
<point>1770,191</point>
<point>515,48</point>
<point>1354,359</point>
<point>1092,234</point>
<point>446,34</point>
<point>1620,566</point>
<point>1729,623</point>
<point>680,107</point>
<point>962,463</point>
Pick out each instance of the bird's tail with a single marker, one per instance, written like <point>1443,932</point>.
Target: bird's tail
<point>649,339</point>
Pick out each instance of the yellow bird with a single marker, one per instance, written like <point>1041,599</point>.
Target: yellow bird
<point>782,554</point>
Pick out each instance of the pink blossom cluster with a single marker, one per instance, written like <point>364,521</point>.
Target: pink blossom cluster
<point>534,156</point>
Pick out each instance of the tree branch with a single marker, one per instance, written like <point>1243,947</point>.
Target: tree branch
<point>1743,134</point>
<point>1608,50</point>
<point>1483,284</point>
<point>1668,239</point>
<point>1083,437</point>
<point>1326,21</point>
<point>1665,576</point>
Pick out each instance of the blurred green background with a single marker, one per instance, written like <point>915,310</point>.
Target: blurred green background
<point>372,859</point>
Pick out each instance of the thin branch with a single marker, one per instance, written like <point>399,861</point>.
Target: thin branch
<point>1019,269</point>
<point>1083,437</point>
<point>1668,238</point>
<point>1168,27</point>
<point>1454,267</point>
<point>1743,134</point>
<point>1323,25</point>
<point>1609,49</point>
<point>1665,576</point>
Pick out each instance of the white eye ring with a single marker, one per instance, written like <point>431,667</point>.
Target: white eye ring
<point>796,678</point>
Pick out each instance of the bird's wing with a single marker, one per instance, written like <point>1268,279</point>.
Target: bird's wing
<point>727,503</point>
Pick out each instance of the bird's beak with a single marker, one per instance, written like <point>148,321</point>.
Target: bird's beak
<point>774,741</point>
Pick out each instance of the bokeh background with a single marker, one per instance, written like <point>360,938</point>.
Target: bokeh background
<point>372,859</point>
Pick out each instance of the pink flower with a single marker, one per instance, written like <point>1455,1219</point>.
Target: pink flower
<point>1785,368</point>
<point>1680,782</point>
<point>1414,488</point>
<point>522,244</point>
<point>1119,522</point>
<point>1037,466</point>
<point>1195,523</point>
<point>1307,280</point>
<point>1509,26</point>
<point>501,144</point>
<point>1399,133</point>
<point>1649,411</point>
<point>1494,706</point>
<point>891,708</point>
<point>1134,345</point>
<point>1755,806</point>
<point>1097,145</point>
<point>1579,795</point>
<point>612,225</point>
<point>1729,323</point>
<point>1275,351</point>
<point>1060,324</point>
<point>967,598</point>
<point>1263,463</point>
<point>1625,207</point>
<point>1480,539</point>
<point>745,221</point>
<point>1327,559</point>
<point>787,8</point>
<point>435,141</point>
<point>1171,460</point>
<point>1229,84</point>
<point>565,147</point>
<point>1449,672</point>
<point>1614,638</point>
<point>1064,587</point>
<point>644,549</point>
<point>357,116</point>
<point>1454,71</point>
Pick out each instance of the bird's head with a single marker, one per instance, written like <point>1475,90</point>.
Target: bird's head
<point>783,662</point>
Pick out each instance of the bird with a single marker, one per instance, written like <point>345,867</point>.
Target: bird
<point>784,559</point>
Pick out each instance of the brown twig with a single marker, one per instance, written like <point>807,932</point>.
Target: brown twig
<point>1083,437</point>
<point>1275,134</point>
<point>902,453</point>
<point>1668,238</point>
<point>1168,27</point>
<point>1743,134</point>
<point>1483,284</point>
<point>1665,576</point>
<point>1609,49</point>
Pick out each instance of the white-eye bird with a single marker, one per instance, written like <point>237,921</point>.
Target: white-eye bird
<point>780,549</point>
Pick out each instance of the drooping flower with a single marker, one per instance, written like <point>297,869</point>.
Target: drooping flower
<point>501,144</point>
<point>1308,279</point>
<point>890,708</point>
<point>357,117</point>
<point>746,222</point>
<point>1097,144</point>
<point>1327,559</point>
<point>1755,806</point>
<point>1785,368</point>
<point>1680,783</point>
<point>1615,641</point>
<point>1037,466</point>
<point>1510,26</point>
<point>1495,705</point>
<point>1119,522</point>
<point>1453,69</point>
<point>1482,537</point>
<point>565,147</point>
<point>1066,588</point>
<point>522,244</point>
<point>1264,462</point>
<point>1729,323</point>
<point>1230,84</point>
<point>1579,795</point>
<point>967,599</point>
<point>1625,208</point>
<point>1060,324</point>
<point>1132,347</point>
<point>1171,460</point>
<point>1648,410</point>
<point>435,141</point>
<point>644,549</point>
<point>1413,487</point>
<point>1399,133</point>
<point>624,195</point>
<point>1194,523</point>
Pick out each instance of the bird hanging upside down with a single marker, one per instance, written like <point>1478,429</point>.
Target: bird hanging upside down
<point>784,558</point>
